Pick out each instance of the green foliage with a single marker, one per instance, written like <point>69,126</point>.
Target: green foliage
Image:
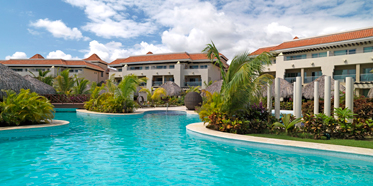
<point>43,77</point>
<point>211,106</point>
<point>25,108</point>
<point>158,93</point>
<point>284,105</point>
<point>81,86</point>
<point>193,89</point>
<point>287,122</point>
<point>63,83</point>
<point>207,83</point>
<point>117,99</point>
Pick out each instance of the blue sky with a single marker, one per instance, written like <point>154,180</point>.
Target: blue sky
<point>72,29</point>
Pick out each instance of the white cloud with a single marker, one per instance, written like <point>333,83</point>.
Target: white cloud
<point>234,26</point>
<point>114,50</point>
<point>59,29</point>
<point>17,55</point>
<point>33,32</point>
<point>58,54</point>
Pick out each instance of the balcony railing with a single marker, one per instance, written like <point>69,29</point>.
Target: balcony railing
<point>157,83</point>
<point>366,77</point>
<point>291,79</point>
<point>309,79</point>
<point>193,83</point>
<point>342,78</point>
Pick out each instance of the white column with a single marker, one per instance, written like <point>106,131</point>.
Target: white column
<point>298,97</point>
<point>349,93</point>
<point>269,98</point>
<point>294,99</point>
<point>327,96</point>
<point>277,98</point>
<point>336,95</point>
<point>316,98</point>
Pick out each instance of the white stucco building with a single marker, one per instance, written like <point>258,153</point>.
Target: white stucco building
<point>91,68</point>
<point>339,55</point>
<point>184,69</point>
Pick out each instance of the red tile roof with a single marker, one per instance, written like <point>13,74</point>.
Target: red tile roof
<point>37,56</point>
<point>357,34</point>
<point>48,62</point>
<point>163,57</point>
<point>94,57</point>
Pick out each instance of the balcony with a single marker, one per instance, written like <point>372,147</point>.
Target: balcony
<point>290,79</point>
<point>193,83</point>
<point>309,79</point>
<point>157,83</point>
<point>342,78</point>
<point>366,77</point>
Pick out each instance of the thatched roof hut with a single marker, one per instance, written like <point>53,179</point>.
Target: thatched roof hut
<point>215,86</point>
<point>40,87</point>
<point>308,90</point>
<point>10,80</point>
<point>286,89</point>
<point>171,88</point>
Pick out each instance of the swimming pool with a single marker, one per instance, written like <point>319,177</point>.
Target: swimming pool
<point>155,149</point>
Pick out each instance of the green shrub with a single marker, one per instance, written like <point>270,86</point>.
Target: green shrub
<point>25,108</point>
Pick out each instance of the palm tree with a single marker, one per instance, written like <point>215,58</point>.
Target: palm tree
<point>159,93</point>
<point>125,91</point>
<point>243,79</point>
<point>63,83</point>
<point>43,77</point>
<point>208,83</point>
<point>81,86</point>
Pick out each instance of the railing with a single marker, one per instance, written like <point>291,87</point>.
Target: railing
<point>62,98</point>
<point>193,83</point>
<point>309,79</point>
<point>291,79</point>
<point>157,83</point>
<point>343,77</point>
<point>366,77</point>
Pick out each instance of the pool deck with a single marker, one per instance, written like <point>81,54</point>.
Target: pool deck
<point>201,128</point>
<point>142,110</point>
<point>56,126</point>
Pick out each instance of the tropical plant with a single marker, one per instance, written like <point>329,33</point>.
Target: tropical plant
<point>243,80</point>
<point>63,83</point>
<point>25,108</point>
<point>212,105</point>
<point>81,86</point>
<point>159,93</point>
<point>42,76</point>
<point>125,91</point>
<point>287,123</point>
<point>207,83</point>
<point>193,89</point>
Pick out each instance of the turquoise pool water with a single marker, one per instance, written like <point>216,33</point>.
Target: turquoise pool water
<point>156,149</point>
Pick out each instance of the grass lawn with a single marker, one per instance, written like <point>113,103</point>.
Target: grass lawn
<point>346,142</point>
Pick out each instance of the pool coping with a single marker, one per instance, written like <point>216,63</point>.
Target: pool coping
<point>54,123</point>
<point>201,129</point>
<point>141,111</point>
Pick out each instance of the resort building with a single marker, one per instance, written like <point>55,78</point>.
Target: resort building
<point>91,68</point>
<point>339,55</point>
<point>184,69</point>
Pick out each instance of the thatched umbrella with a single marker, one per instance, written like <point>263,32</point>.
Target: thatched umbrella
<point>286,89</point>
<point>10,80</point>
<point>171,88</point>
<point>215,86</point>
<point>308,90</point>
<point>40,87</point>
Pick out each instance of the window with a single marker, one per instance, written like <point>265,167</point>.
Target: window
<point>147,68</point>
<point>295,74</point>
<point>344,52</point>
<point>172,66</point>
<point>71,71</point>
<point>304,56</point>
<point>135,68</point>
<point>193,66</point>
<point>18,69</point>
<point>159,67</point>
<point>38,69</point>
<point>76,71</point>
<point>102,74</point>
<point>321,54</point>
<point>119,69</point>
<point>203,66</point>
<point>368,49</point>
<point>274,61</point>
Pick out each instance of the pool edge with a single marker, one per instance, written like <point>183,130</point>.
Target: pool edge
<point>201,129</point>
